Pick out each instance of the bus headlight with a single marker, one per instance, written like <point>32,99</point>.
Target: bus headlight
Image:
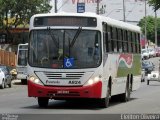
<point>92,81</point>
<point>35,80</point>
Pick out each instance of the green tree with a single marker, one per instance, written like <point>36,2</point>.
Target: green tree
<point>20,11</point>
<point>150,27</point>
<point>14,13</point>
<point>155,4</point>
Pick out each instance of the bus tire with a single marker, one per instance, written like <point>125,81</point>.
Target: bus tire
<point>43,102</point>
<point>10,85</point>
<point>147,82</point>
<point>104,102</point>
<point>24,81</point>
<point>126,96</point>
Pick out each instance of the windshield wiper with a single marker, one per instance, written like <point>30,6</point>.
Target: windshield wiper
<point>76,36</point>
<point>52,36</point>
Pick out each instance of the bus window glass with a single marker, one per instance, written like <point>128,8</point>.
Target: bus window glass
<point>50,48</point>
<point>133,42</point>
<point>139,45</point>
<point>22,57</point>
<point>129,41</point>
<point>125,42</point>
<point>120,40</point>
<point>105,38</point>
<point>114,39</point>
<point>109,38</point>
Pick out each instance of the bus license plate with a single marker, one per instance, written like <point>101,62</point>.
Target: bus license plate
<point>63,92</point>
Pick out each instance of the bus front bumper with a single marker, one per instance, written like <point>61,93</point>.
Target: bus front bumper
<point>64,92</point>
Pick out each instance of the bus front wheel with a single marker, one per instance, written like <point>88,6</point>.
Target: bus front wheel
<point>24,81</point>
<point>104,102</point>
<point>43,102</point>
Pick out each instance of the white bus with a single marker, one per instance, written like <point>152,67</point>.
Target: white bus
<point>21,66</point>
<point>82,55</point>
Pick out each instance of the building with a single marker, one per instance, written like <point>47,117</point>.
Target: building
<point>134,9</point>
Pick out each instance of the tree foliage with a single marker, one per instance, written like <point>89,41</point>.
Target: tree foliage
<point>150,27</point>
<point>18,12</point>
<point>155,4</point>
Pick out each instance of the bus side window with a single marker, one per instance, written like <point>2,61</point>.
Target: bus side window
<point>139,45</point>
<point>109,44</point>
<point>106,41</point>
<point>119,42</point>
<point>125,41</point>
<point>105,38</point>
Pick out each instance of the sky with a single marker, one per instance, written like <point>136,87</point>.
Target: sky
<point>134,11</point>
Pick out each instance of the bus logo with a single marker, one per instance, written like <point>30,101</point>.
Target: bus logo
<point>126,59</point>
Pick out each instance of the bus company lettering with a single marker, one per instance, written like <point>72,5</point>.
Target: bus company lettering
<point>52,82</point>
<point>85,1</point>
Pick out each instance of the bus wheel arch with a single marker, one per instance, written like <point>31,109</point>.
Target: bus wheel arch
<point>110,85</point>
<point>124,97</point>
<point>104,102</point>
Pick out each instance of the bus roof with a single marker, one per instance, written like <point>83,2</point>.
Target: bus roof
<point>109,21</point>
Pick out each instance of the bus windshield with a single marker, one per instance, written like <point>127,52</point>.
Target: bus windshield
<point>52,48</point>
<point>22,55</point>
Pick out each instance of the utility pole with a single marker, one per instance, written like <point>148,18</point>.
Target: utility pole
<point>145,31</point>
<point>124,11</point>
<point>156,28</point>
<point>55,4</point>
<point>98,7</point>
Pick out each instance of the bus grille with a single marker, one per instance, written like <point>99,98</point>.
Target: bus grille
<point>66,75</point>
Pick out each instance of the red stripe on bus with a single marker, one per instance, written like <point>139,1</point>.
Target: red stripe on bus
<point>92,91</point>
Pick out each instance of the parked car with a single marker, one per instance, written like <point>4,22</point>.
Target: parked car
<point>2,79</point>
<point>144,54</point>
<point>147,66</point>
<point>157,52</point>
<point>7,74</point>
<point>152,52</point>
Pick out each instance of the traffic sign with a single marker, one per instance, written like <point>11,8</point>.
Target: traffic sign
<point>68,62</point>
<point>80,7</point>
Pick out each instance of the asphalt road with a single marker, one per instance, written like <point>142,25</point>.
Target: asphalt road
<point>146,100</point>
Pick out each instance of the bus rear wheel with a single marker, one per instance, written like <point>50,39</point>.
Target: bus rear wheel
<point>126,96</point>
<point>43,102</point>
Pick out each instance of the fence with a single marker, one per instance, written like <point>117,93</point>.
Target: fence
<point>7,58</point>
